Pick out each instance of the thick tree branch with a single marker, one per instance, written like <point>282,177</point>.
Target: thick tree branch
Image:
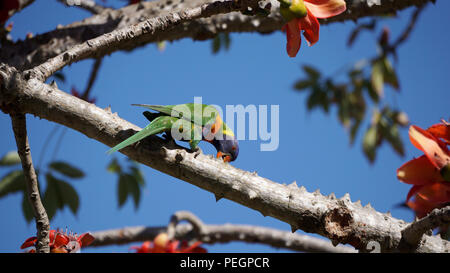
<point>107,43</point>
<point>338,219</point>
<point>414,232</point>
<point>31,52</point>
<point>213,234</point>
<point>19,126</point>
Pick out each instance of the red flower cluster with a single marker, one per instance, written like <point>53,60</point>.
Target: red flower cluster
<point>162,244</point>
<point>6,7</point>
<point>61,242</point>
<point>302,16</point>
<point>430,173</point>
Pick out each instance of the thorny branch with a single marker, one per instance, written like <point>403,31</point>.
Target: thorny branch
<point>340,220</point>
<point>103,44</point>
<point>23,148</point>
<point>414,232</point>
<point>213,234</point>
<point>31,52</point>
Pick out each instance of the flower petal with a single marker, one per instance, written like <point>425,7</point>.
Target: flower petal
<point>86,239</point>
<point>311,28</point>
<point>441,130</point>
<point>436,192</point>
<point>419,171</point>
<point>293,37</point>
<point>421,207</point>
<point>413,191</point>
<point>325,8</point>
<point>60,240</point>
<point>29,242</point>
<point>433,148</point>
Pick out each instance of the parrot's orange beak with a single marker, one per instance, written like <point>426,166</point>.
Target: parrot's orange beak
<point>225,157</point>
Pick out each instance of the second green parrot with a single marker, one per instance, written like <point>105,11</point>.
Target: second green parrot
<point>204,121</point>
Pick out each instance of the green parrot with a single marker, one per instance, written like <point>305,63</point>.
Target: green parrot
<point>190,122</point>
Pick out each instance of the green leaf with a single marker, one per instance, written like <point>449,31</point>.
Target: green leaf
<point>318,98</point>
<point>313,73</point>
<point>392,135</point>
<point>66,169</point>
<point>370,143</point>
<point>161,45</point>
<point>377,78</point>
<point>129,184</point>
<point>390,76</point>
<point>12,182</point>
<point>137,175</point>
<point>11,158</point>
<point>122,189</point>
<point>58,195</point>
<point>226,40</point>
<point>353,131</point>
<point>135,191</point>
<point>216,44</point>
<point>27,210</point>
<point>303,84</point>
<point>371,91</point>
<point>114,166</point>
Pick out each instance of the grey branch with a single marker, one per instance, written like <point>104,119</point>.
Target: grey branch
<point>31,52</point>
<point>107,43</point>
<point>340,220</point>
<point>213,234</point>
<point>42,223</point>
<point>414,232</point>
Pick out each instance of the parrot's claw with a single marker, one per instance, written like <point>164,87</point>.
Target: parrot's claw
<point>197,151</point>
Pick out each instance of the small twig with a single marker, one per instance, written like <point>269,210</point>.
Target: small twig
<point>23,147</point>
<point>92,78</point>
<point>213,234</point>
<point>391,48</point>
<point>412,23</point>
<point>197,224</point>
<point>88,5</point>
<point>414,232</point>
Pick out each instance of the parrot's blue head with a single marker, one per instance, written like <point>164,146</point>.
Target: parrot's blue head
<point>227,148</point>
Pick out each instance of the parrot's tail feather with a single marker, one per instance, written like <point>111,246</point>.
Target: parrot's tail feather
<point>149,130</point>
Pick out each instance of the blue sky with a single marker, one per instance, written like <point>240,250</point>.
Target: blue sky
<point>314,148</point>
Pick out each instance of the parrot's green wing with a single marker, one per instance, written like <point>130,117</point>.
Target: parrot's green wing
<point>159,125</point>
<point>208,112</point>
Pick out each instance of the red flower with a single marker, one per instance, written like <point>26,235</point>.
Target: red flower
<point>161,244</point>
<point>6,7</point>
<point>61,242</point>
<point>303,16</point>
<point>430,173</point>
